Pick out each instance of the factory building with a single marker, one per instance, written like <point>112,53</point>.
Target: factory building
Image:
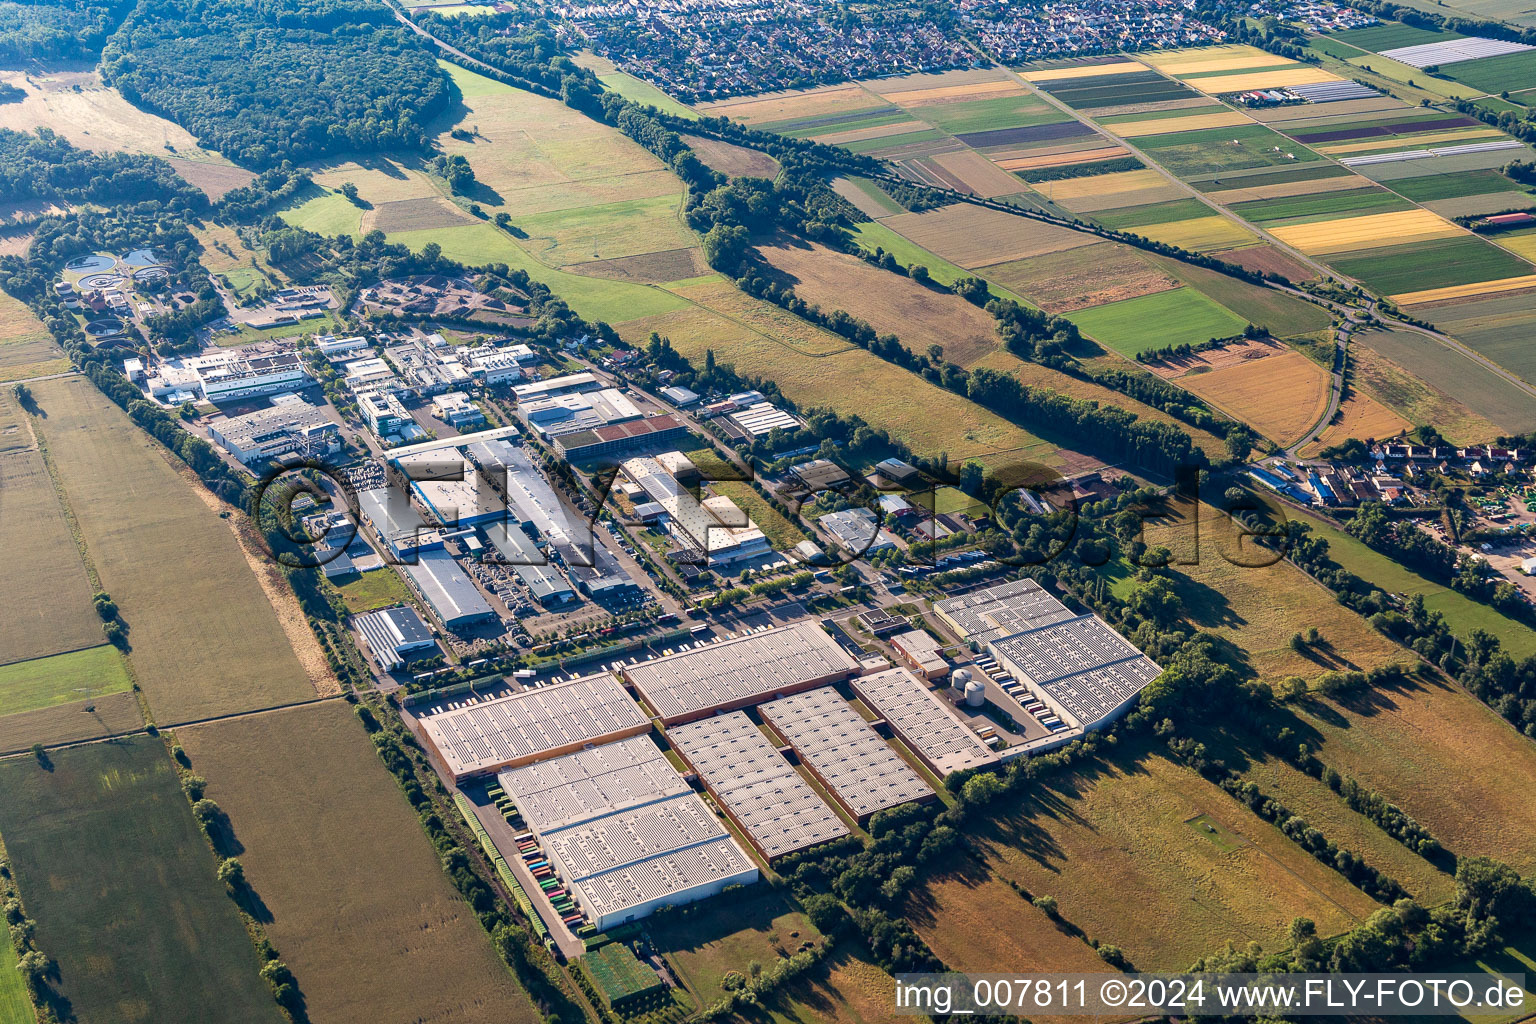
<point>862,772</point>
<point>393,633</point>
<point>623,833</point>
<point>921,652</point>
<point>1001,610</point>
<point>447,589</point>
<point>857,530</point>
<point>396,522</point>
<point>568,384</point>
<point>229,376</point>
<point>621,438</point>
<point>532,725</point>
<point>383,412</point>
<point>291,429</point>
<point>716,529</point>
<point>923,721</point>
<point>457,410</point>
<point>741,671</point>
<point>573,413</point>
<point>775,808</point>
<point>519,553</point>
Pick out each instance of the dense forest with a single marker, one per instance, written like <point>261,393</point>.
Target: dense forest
<point>264,81</point>
<point>45,166</point>
<point>67,31</point>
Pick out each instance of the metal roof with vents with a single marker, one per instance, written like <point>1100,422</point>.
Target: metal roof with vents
<point>1081,664</point>
<point>530,725</point>
<point>733,673</point>
<point>923,721</point>
<point>772,803</point>
<point>863,772</point>
<point>1002,610</point>
<point>566,791</point>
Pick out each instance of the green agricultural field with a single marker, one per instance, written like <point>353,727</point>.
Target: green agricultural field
<point>358,902</point>
<point>1326,206</point>
<point>1436,263</point>
<point>107,857</point>
<point>1259,177</point>
<point>1391,35</point>
<point>874,235</point>
<point>1154,321</point>
<point>1459,377</point>
<point>1163,115</point>
<point>596,298</point>
<point>801,127</point>
<point>1224,149</point>
<point>1133,217</point>
<point>1500,327</point>
<point>892,141</point>
<point>62,678</point>
<point>609,231</point>
<point>205,637</point>
<point>1511,71</point>
<point>1429,187</point>
<point>15,1004</point>
<point>328,213</point>
<point>985,115</point>
<point>1331,48</point>
<point>1285,315</point>
<point>869,197</point>
<point>1462,614</point>
<point>632,88</point>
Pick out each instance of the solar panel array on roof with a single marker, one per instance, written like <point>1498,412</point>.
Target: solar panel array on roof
<point>1083,664</point>
<point>588,784</point>
<point>923,721</point>
<point>1002,610</point>
<point>623,838</point>
<point>780,812</point>
<point>524,726</point>
<point>845,752</point>
<point>732,673</point>
<point>707,868</point>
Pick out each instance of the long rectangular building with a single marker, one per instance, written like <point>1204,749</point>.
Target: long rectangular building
<point>1001,610</point>
<point>923,721</point>
<point>768,800</point>
<point>861,770</point>
<point>447,588</point>
<point>735,673</point>
<point>532,725</point>
<point>1080,666</point>
<point>623,832</point>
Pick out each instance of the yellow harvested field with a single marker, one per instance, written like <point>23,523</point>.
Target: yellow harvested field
<point>1280,395</point>
<point>1283,189</point>
<point>1203,234</point>
<point>93,116</point>
<point>1451,135</point>
<point>953,93</point>
<point>923,80</point>
<point>1191,60</point>
<point>1167,192</point>
<point>974,236</point>
<point>1086,71</point>
<point>1461,291</point>
<point>784,106</point>
<point>878,131</point>
<point>1240,82</point>
<point>1360,416</point>
<point>1377,229</point>
<point>1169,125</point>
<point>1105,184</point>
<point>1521,244</point>
<point>378,179</point>
<point>981,175</point>
<point>1081,156</point>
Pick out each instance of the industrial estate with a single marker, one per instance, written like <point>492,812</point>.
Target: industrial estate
<point>657,513</point>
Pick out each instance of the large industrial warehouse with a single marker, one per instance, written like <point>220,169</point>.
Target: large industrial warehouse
<point>625,834</point>
<point>861,770</point>
<point>923,721</point>
<point>1002,610</point>
<point>1081,667</point>
<point>734,673</point>
<point>530,725</point>
<point>768,800</point>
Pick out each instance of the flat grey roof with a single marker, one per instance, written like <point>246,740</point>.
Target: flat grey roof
<point>717,862</point>
<point>1003,610</point>
<point>1083,664</point>
<point>924,721</point>
<point>447,588</point>
<point>767,797</point>
<point>593,783</point>
<point>863,771</point>
<point>731,673</point>
<point>522,726</point>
